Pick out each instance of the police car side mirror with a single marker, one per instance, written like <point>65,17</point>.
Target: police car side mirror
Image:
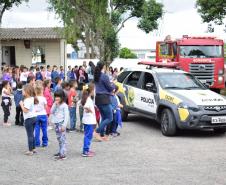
<point>151,87</point>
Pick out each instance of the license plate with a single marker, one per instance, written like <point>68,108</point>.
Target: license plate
<point>203,81</point>
<point>219,119</point>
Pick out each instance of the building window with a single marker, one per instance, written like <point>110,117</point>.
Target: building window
<point>165,49</point>
<point>38,55</point>
<point>68,55</point>
<point>141,56</point>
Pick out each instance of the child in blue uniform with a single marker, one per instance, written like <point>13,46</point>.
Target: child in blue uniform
<point>42,119</point>
<point>89,121</point>
<point>18,96</point>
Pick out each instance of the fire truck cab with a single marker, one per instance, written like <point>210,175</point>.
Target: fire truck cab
<point>201,56</point>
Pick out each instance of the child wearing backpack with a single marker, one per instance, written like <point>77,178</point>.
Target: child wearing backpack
<point>38,75</point>
<point>18,96</point>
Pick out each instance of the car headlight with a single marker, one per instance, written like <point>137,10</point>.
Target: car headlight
<point>185,106</point>
<point>220,79</point>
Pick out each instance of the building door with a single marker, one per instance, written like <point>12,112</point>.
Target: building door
<point>12,56</point>
<point>9,55</point>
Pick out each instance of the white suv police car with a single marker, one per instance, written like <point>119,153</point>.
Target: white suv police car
<point>176,99</point>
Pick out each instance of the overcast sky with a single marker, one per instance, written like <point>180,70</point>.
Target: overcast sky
<point>181,18</point>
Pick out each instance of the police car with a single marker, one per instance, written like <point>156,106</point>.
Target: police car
<point>176,99</point>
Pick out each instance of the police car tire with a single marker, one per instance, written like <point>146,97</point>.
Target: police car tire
<point>169,128</point>
<point>124,115</point>
<point>220,130</point>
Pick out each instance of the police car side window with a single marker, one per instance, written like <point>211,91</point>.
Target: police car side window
<point>133,79</point>
<point>122,76</point>
<point>148,79</point>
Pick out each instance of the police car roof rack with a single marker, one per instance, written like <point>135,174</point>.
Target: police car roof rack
<point>150,65</point>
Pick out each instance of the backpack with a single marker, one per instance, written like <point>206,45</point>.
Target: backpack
<point>72,75</point>
<point>39,76</point>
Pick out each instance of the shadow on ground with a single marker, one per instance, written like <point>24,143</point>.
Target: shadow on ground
<point>154,125</point>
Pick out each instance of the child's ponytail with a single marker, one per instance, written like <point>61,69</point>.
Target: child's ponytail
<point>85,95</point>
<point>30,91</point>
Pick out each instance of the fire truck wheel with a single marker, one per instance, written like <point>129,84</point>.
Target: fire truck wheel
<point>168,125</point>
<point>219,130</point>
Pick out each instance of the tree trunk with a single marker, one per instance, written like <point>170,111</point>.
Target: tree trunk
<point>87,44</point>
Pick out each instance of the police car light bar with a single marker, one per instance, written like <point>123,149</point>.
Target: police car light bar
<point>160,64</point>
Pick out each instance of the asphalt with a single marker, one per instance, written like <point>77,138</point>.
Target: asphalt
<point>140,156</point>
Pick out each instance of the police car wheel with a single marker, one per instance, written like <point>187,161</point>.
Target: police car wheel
<point>219,130</point>
<point>168,126</point>
<point>124,115</point>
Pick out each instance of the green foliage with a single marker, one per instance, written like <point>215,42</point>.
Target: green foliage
<point>147,11</point>
<point>97,25</point>
<point>212,10</point>
<point>8,4</point>
<point>152,11</point>
<point>126,53</point>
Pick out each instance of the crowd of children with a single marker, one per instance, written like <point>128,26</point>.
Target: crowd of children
<point>46,96</point>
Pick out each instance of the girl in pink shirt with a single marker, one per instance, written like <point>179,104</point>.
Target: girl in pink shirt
<point>47,94</point>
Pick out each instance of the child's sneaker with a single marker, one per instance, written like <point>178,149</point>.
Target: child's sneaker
<point>61,157</point>
<point>56,155</point>
<point>29,153</point>
<point>72,130</point>
<point>88,154</point>
<point>5,124</point>
<point>115,134</point>
<point>92,152</point>
<point>49,128</point>
<point>105,138</point>
<point>9,124</point>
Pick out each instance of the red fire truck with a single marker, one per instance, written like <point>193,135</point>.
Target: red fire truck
<point>201,56</point>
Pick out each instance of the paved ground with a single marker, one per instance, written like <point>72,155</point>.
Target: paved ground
<point>141,155</point>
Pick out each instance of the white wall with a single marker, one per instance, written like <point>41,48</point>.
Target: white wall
<point>53,51</point>
<point>125,63</point>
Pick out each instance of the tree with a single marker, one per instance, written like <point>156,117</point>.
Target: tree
<point>146,11</point>
<point>97,22</point>
<point>212,11</point>
<point>7,5</point>
<point>126,53</point>
<point>83,20</point>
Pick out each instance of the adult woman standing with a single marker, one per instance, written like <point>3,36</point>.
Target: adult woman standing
<point>104,89</point>
<point>90,71</point>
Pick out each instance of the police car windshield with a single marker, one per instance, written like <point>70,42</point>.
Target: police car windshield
<point>182,81</point>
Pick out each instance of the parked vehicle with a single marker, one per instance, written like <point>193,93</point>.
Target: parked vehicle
<point>201,56</point>
<point>176,99</point>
